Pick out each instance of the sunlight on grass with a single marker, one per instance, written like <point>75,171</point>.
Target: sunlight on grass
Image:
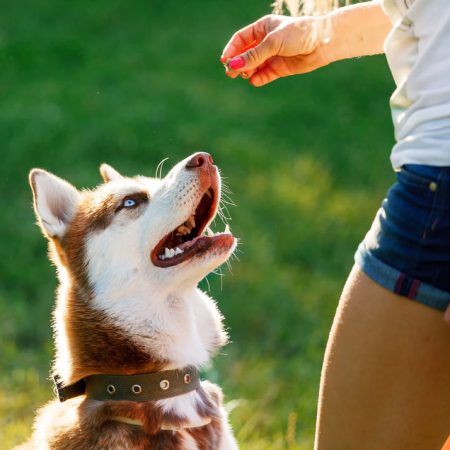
<point>21,392</point>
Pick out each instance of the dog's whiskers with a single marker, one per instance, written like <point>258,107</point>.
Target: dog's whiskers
<point>160,167</point>
<point>207,282</point>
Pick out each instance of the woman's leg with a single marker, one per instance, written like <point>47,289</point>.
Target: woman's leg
<point>386,376</point>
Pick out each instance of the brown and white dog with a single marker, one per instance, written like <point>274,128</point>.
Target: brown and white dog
<point>129,256</point>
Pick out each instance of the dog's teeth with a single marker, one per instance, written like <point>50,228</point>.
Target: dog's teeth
<point>170,253</point>
<point>191,222</point>
<point>208,193</point>
<point>183,230</point>
<point>227,229</point>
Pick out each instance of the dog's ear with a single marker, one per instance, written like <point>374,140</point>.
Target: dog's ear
<point>55,202</point>
<point>108,173</point>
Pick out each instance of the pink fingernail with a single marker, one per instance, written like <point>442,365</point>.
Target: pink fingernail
<point>236,63</point>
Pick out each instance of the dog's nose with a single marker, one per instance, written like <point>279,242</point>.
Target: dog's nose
<point>200,159</point>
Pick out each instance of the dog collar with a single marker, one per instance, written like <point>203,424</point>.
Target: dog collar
<point>142,387</point>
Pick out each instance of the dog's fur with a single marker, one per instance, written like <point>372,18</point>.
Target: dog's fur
<point>119,313</point>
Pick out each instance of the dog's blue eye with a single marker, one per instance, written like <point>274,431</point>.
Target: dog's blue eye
<point>133,201</point>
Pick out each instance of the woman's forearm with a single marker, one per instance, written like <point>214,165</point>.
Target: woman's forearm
<point>358,30</point>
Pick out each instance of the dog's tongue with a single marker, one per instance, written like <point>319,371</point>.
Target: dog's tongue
<point>200,242</point>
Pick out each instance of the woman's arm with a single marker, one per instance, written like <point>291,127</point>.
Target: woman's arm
<point>282,46</point>
<point>359,30</point>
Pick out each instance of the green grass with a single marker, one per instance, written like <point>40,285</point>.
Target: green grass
<point>131,83</point>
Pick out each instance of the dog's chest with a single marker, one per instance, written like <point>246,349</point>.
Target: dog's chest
<point>191,329</point>
<point>180,330</point>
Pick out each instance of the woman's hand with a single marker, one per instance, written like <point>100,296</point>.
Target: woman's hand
<point>279,46</point>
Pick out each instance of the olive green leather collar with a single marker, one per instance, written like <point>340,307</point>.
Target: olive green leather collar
<point>143,387</point>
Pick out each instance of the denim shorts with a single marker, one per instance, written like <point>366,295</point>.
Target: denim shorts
<point>407,249</point>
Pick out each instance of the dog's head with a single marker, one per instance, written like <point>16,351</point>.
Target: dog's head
<point>137,236</point>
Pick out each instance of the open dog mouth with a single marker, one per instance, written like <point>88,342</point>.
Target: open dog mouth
<point>187,240</point>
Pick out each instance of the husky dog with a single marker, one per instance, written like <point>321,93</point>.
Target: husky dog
<point>131,327</point>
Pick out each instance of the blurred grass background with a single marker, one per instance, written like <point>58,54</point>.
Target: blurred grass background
<point>131,83</point>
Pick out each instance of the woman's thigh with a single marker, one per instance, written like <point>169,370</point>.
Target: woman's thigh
<point>386,375</point>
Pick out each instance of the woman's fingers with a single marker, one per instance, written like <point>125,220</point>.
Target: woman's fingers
<point>248,74</point>
<point>270,71</point>
<point>280,66</point>
<point>244,75</point>
<point>254,57</point>
<point>249,37</point>
<point>240,40</point>
<point>231,74</point>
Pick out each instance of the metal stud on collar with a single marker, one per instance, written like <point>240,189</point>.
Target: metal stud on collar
<point>110,389</point>
<point>136,389</point>
<point>164,385</point>
<point>187,378</point>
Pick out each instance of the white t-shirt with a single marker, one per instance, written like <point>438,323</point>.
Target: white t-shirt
<point>418,53</point>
